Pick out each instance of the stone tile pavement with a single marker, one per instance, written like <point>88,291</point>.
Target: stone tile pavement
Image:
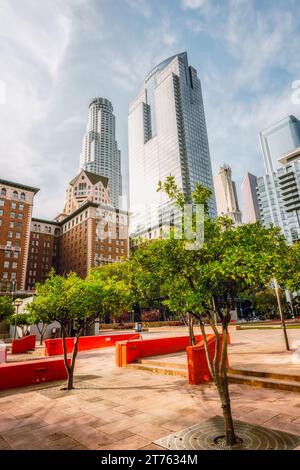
<point>114,408</point>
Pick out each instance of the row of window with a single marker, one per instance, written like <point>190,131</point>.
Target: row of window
<point>7,264</point>
<point>12,275</point>
<point>14,205</point>
<point>15,194</point>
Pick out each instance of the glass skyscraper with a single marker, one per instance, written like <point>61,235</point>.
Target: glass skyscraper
<point>100,153</point>
<point>167,136</point>
<point>278,140</point>
<point>279,190</point>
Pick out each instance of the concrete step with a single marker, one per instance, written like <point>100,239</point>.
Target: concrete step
<point>154,369</point>
<point>258,381</point>
<point>266,375</point>
<point>161,363</point>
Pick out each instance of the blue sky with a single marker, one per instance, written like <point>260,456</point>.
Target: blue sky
<point>55,56</point>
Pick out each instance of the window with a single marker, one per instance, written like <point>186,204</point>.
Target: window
<point>21,207</point>
<point>22,197</point>
<point>18,235</point>
<point>1,202</point>
<point>14,265</point>
<point>5,276</point>
<point>6,264</point>
<point>9,234</point>
<point>11,225</point>
<point>3,192</point>
<point>15,195</point>
<point>1,212</point>
<point>13,275</point>
<point>16,254</point>
<point>20,216</point>
<point>12,215</point>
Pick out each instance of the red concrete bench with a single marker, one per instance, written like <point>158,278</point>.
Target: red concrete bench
<point>53,347</point>
<point>129,351</point>
<point>24,344</point>
<point>21,374</point>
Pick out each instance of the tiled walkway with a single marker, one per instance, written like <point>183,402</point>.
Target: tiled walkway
<point>115,408</point>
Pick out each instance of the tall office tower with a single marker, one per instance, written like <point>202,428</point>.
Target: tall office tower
<point>249,194</point>
<point>279,196</point>
<point>167,136</point>
<point>278,140</point>
<point>226,196</point>
<point>100,153</point>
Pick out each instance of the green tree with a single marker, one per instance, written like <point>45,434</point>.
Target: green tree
<point>205,281</point>
<point>289,268</point>
<point>39,318</point>
<point>115,283</point>
<point>74,303</point>
<point>6,308</point>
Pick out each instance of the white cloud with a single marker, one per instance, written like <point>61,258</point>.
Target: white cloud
<point>141,6</point>
<point>193,4</point>
<point>34,40</point>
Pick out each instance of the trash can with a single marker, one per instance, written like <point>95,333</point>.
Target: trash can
<point>138,327</point>
<point>3,352</point>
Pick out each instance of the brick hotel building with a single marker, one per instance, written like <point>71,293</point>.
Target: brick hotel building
<point>88,233</point>
<point>16,203</point>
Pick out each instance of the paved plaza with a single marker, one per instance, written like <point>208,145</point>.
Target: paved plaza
<point>113,408</point>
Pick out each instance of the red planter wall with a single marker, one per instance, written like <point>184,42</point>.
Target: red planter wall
<point>21,374</point>
<point>21,345</point>
<point>197,363</point>
<point>129,351</point>
<point>53,347</point>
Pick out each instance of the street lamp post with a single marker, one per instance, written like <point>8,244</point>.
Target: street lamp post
<point>17,303</point>
<point>13,289</point>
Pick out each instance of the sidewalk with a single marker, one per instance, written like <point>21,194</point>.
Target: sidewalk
<point>113,408</point>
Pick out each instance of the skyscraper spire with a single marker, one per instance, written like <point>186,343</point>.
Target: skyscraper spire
<point>100,153</point>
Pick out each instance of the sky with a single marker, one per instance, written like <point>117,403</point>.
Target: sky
<point>55,56</point>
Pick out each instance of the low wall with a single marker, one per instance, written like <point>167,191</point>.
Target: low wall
<point>129,351</point>
<point>21,374</point>
<point>197,362</point>
<point>53,347</point>
<point>24,344</point>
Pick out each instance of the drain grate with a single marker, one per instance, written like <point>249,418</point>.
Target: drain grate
<point>202,436</point>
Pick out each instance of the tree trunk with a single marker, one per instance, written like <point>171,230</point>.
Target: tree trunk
<point>72,366</point>
<point>224,390</point>
<point>222,386</point>
<point>191,329</point>
<point>68,368</point>
<point>218,370</point>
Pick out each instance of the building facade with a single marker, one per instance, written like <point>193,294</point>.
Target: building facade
<point>100,154</point>
<point>88,233</point>
<point>43,253</point>
<point>251,212</point>
<point>226,195</point>
<point>16,202</point>
<point>279,196</point>
<point>278,140</point>
<point>86,186</point>
<point>167,136</point>
<point>91,236</point>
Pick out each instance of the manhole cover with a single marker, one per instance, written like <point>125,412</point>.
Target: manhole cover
<point>203,437</point>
